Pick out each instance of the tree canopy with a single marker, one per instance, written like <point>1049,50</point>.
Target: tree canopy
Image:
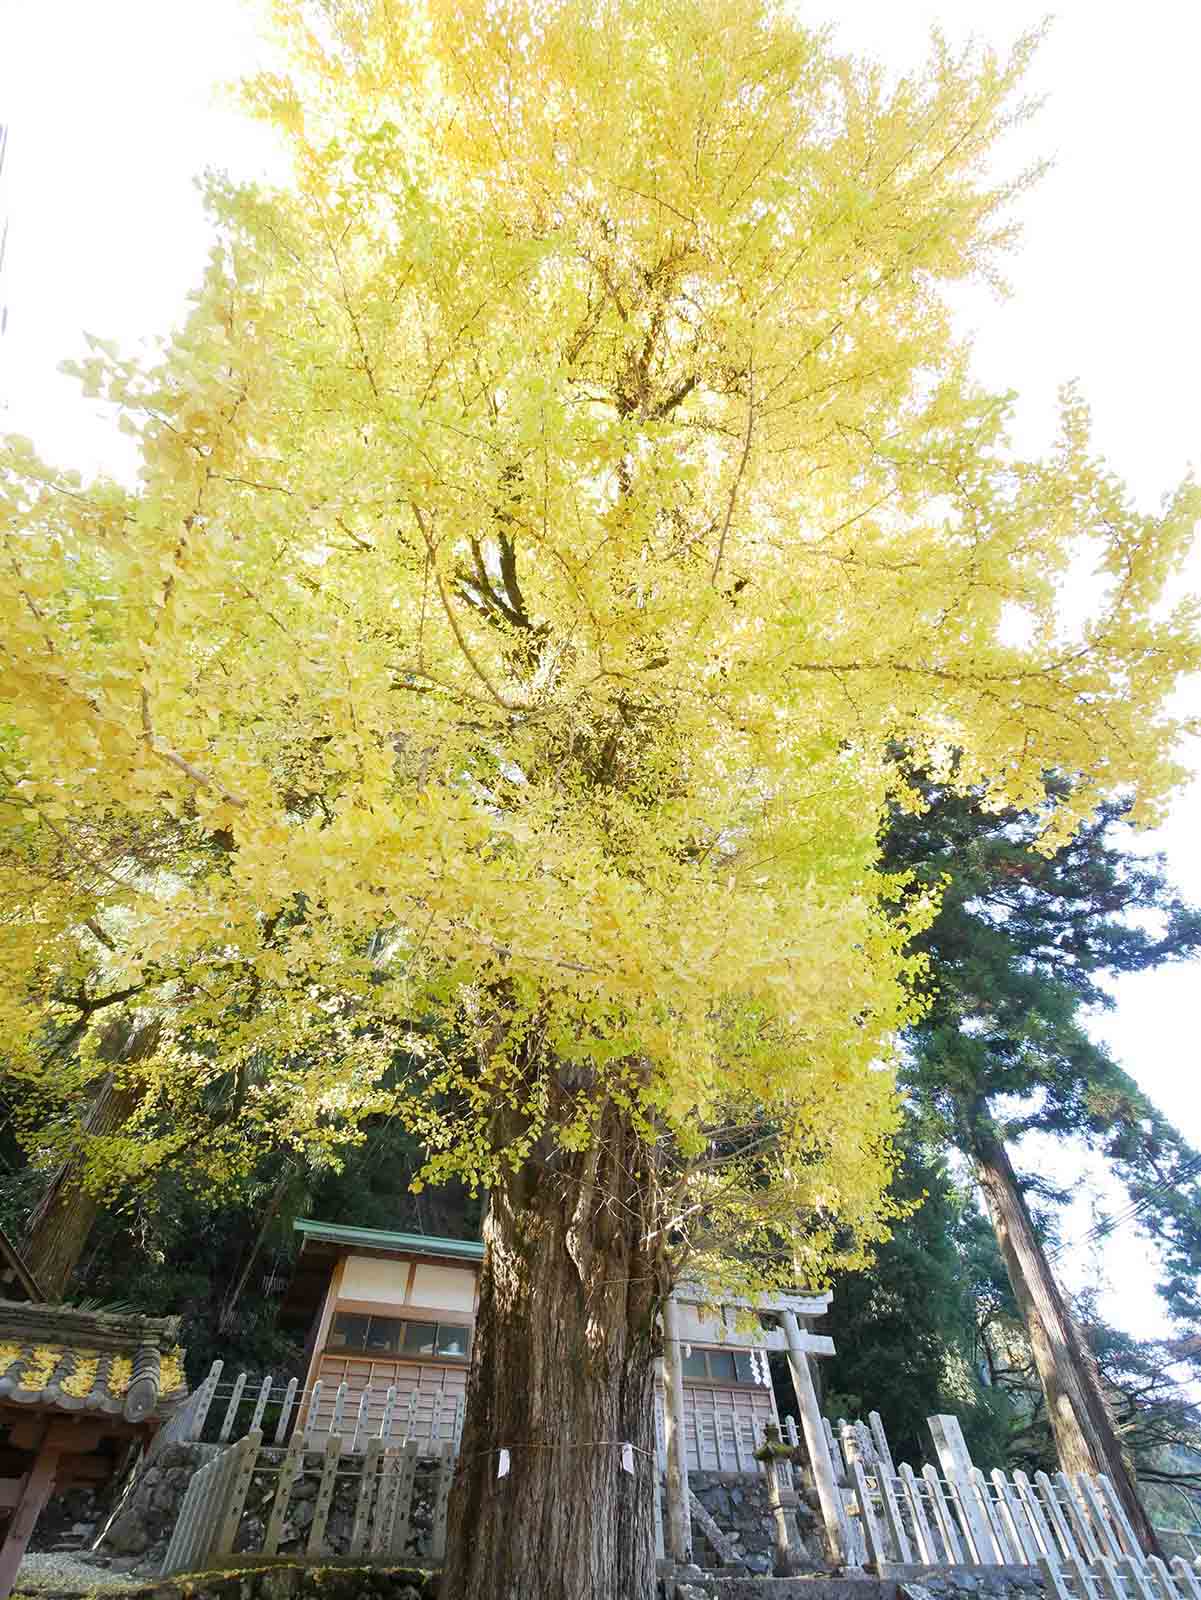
<point>540,537</point>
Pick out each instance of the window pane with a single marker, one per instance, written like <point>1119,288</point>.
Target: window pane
<point>693,1366</point>
<point>348,1332</point>
<point>452,1341</point>
<point>383,1336</point>
<point>744,1368</point>
<point>419,1338</point>
<point>721,1364</point>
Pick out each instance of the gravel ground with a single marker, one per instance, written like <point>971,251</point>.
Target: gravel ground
<point>62,1571</point>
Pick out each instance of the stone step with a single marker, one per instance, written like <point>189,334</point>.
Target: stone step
<point>742,1587</point>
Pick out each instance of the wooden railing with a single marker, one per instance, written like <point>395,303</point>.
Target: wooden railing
<point>1124,1578</point>
<point>250,1499</point>
<point>223,1408</point>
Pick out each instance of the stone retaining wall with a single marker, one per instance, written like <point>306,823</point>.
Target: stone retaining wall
<point>737,1502</point>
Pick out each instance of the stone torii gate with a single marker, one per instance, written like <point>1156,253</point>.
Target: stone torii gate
<point>799,1345</point>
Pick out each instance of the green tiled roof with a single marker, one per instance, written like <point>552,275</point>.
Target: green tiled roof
<point>426,1244</point>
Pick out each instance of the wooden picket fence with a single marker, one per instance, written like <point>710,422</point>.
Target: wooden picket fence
<point>215,1523</point>
<point>1126,1578</point>
<point>1070,1526</point>
<point>223,1408</point>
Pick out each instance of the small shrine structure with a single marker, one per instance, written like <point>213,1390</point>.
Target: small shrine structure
<point>77,1389</point>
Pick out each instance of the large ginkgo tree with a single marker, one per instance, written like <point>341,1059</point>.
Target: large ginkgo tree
<point>563,495</point>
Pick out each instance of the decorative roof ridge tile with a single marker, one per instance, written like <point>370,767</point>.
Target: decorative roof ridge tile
<point>30,1322</point>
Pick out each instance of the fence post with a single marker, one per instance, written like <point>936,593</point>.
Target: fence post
<point>368,1484</point>
<point>1080,1525</point>
<point>1017,1519</point>
<point>310,1411</point>
<point>281,1427</point>
<point>942,1516</point>
<point>395,1530</point>
<point>204,1399</point>
<point>385,1427</point>
<point>956,1465</point>
<point>339,1406</point>
<point>325,1495</point>
<point>292,1464</point>
<point>880,1439</point>
<point>360,1423</point>
<point>876,1549</point>
<point>1063,1534</point>
<point>260,1405</point>
<point>245,1454</point>
<point>1107,1535</point>
<point>892,1515</point>
<point>921,1527</point>
<point>227,1421</point>
<point>446,1467</point>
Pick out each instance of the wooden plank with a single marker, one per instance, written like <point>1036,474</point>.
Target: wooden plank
<point>1087,1586</point>
<point>1135,1574</point>
<point>927,1552</point>
<point>877,1547</point>
<point>260,1404</point>
<point>1162,1579</point>
<point>1078,1516</point>
<point>1117,1513</point>
<point>285,1411</point>
<point>892,1515</point>
<point>840,1466</point>
<point>942,1515</point>
<point>1053,1577</point>
<point>1005,1541</point>
<point>718,1542</point>
<point>1107,1537</point>
<point>339,1407</point>
<point>244,1455</point>
<point>957,1469</point>
<point>231,1409</point>
<point>880,1440</point>
<point>385,1502</point>
<point>202,1536</point>
<point>325,1495</point>
<point>446,1469</point>
<point>1035,1520</point>
<point>396,1531</point>
<point>1017,1519</point>
<point>204,1400</point>
<point>310,1415</point>
<point>1186,1578</point>
<point>368,1488</point>
<point>1108,1580</point>
<point>360,1424</point>
<point>289,1469</point>
<point>1063,1534</point>
<point>385,1427</point>
<point>657,1512</point>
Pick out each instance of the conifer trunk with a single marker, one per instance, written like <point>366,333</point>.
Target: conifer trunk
<point>61,1223</point>
<point>562,1375</point>
<point>1085,1440</point>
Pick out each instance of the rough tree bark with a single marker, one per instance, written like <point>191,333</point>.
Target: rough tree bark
<point>61,1223</point>
<point>562,1375</point>
<point>1085,1440</point>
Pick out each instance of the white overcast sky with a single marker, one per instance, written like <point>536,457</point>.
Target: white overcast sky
<point>111,111</point>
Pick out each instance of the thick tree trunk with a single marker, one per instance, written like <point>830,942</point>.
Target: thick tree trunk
<point>61,1223</point>
<point>562,1376</point>
<point>1085,1440</point>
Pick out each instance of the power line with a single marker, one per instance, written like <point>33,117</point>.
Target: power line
<point>1103,1229</point>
